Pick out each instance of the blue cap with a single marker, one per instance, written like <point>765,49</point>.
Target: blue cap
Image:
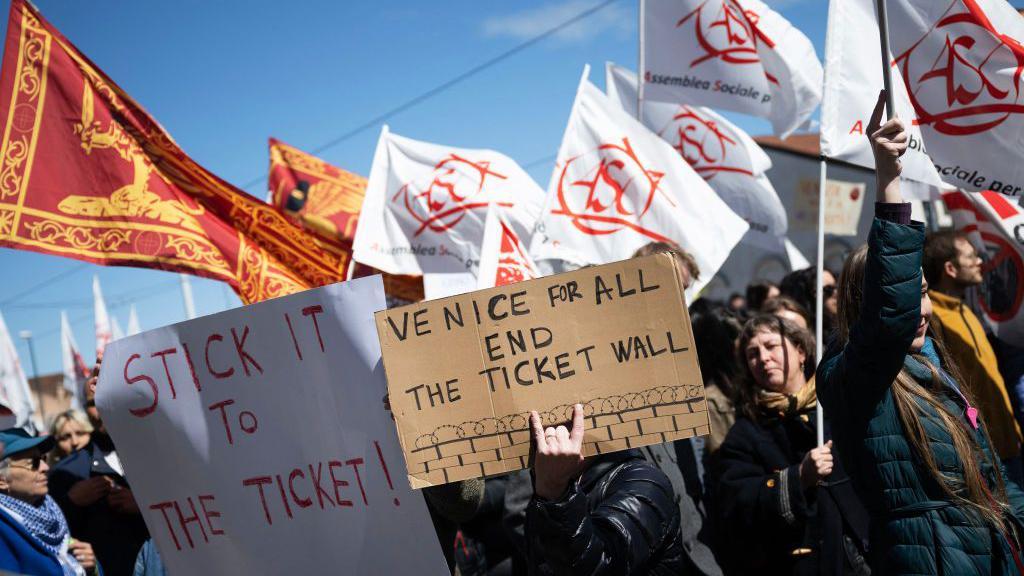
<point>17,440</point>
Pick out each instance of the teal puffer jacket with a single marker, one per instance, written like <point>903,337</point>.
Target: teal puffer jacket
<point>915,529</point>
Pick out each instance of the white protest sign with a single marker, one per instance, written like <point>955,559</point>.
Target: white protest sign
<point>256,440</point>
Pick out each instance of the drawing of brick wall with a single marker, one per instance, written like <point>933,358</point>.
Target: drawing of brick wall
<point>497,445</point>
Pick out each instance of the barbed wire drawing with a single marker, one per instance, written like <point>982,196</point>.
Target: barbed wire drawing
<point>501,444</point>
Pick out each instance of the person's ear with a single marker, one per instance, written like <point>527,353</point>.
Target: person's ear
<point>4,485</point>
<point>949,268</point>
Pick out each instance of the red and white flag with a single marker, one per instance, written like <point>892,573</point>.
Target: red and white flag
<point>104,330</point>
<point>503,256</point>
<point>726,157</point>
<point>72,363</point>
<point>994,223</point>
<point>17,408</point>
<point>853,77</point>
<point>962,62</point>
<point>618,186</point>
<point>425,205</point>
<point>731,54</point>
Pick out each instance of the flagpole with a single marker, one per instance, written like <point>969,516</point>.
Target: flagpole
<point>351,268</point>
<point>640,64</point>
<point>819,300</point>
<point>186,296</point>
<point>883,35</point>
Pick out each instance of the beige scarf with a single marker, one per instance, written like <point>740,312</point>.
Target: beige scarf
<point>783,405</point>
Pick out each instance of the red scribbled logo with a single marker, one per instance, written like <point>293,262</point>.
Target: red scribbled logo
<point>608,190</point>
<point>440,200</point>
<point>727,32</point>
<point>951,73</point>
<point>1002,265</point>
<point>513,264</point>
<point>705,146</point>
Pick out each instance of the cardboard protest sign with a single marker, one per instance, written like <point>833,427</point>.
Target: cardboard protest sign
<point>464,372</point>
<point>256,440</point>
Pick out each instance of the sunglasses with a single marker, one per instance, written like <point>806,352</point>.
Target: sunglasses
<point>34,464</point>
<point>828,291</point>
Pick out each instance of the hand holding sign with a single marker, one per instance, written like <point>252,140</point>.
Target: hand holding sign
<point>559,456</point>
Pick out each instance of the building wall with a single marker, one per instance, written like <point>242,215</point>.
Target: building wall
<point>50,397</point>
<point>795,177</point>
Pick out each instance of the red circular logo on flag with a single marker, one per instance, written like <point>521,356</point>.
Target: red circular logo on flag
<point>727,32</point>
<point>703,145</point>
<point>439,200</point>
<point>608,190</point>
<point>1003,270</point>
<point>963,77</point>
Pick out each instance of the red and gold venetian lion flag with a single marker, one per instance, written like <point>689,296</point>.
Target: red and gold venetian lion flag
<point>86,173</point>
<point>326,200</point>
<point>324,197</point>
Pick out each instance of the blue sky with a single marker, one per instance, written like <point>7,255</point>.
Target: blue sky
<point>222,77</point>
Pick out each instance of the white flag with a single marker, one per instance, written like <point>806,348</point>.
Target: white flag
<point>617,186</point>
<point>962,62</point>
<point>995,225</point>
<point>115,329</point>
<point>15,394</point>
<point>451,284</point>
<point>72,364</point>
<point>726,157</point>
<point>104,331</point>
<point>731,54</point>
<point>504,258</point>
<point>853,77</point>
<point>133,322</point>
<point>425,205</point>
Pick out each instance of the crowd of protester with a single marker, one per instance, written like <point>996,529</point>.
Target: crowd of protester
<point>919,471</point>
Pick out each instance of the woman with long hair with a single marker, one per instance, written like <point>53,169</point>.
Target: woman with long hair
<point>903,421</point>
<point>769,498</point>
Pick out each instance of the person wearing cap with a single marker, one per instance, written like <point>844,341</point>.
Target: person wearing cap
<point>34,536</point>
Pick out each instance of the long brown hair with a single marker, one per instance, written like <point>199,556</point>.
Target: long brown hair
<point>746,393</point>
<point>911,399</point>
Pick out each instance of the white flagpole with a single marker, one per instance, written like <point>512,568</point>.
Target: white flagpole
<point>186,296</point>
<point>640,65</point>
<point>883,36</point>
<point>819,301</point>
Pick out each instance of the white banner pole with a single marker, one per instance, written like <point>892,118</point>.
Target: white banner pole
<point>818,303</point>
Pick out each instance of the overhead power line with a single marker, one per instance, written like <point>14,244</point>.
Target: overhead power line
<point>43,284</point>
<point>380,118</point>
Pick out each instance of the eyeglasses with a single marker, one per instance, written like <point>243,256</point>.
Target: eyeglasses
<point>828,291</point>
<point>34,466</point>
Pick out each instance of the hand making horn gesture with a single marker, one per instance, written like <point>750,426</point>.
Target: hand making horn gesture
<point>559,454</point>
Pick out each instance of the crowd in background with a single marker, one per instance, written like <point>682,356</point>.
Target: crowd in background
<point>919,473</point>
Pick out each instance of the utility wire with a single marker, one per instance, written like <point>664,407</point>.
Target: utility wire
<point>117,301</point>
<point>448,84</point>
<point>43,284</point>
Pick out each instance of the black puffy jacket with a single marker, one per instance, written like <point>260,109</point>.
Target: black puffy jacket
<point>620,518</point>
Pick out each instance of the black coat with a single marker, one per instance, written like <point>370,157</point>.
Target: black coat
<point>764,519</point>
<point>620,518</point>
<point>116,538</point>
